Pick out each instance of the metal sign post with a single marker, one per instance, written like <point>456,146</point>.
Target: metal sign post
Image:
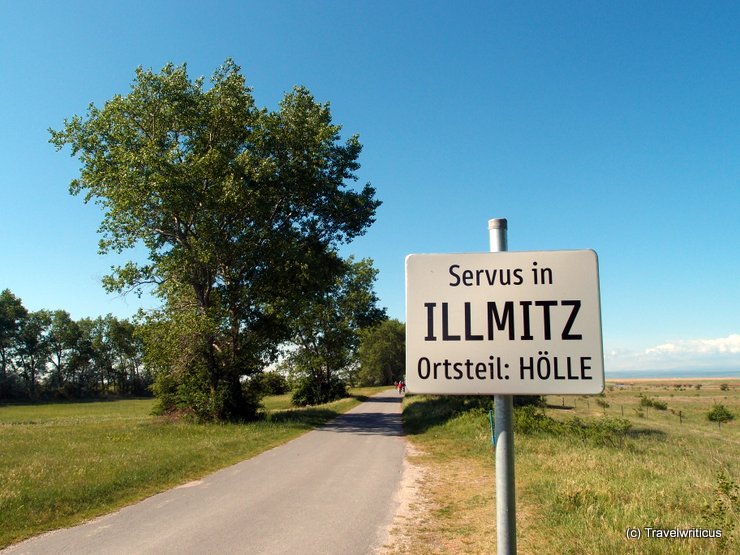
<point>504,437</point>
<point>504,323</point>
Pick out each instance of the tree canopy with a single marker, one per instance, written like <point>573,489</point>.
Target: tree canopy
<point>382,353</point>
<point>327,333</point>
<point>48,355</point>
<point>12,316</point>
<point>240,209</point>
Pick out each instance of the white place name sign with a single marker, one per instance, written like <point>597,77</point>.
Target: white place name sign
<point>504,323</point>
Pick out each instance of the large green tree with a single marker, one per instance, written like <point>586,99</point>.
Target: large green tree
<point>240,210</point>
<point>12,317</point>
<point>33,350</point>
<point>382,353</point>
<point>327,332</point>
<point>127,348</point>
<point>64,335</point>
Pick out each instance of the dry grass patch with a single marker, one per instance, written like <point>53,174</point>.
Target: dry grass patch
<point>450,508</point>
<point>582,478</point>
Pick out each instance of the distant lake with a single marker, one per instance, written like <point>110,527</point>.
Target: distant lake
<point>664,374</point>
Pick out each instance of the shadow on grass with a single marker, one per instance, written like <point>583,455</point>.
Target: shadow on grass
<point>307,418</point>
<point>71,401</point>
<point>559,407</point>
<point>420,415</point>
<point>649,433</point>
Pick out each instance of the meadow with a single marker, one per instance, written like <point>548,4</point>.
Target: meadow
<point>590,471</point>
<point>583,477</point>
<point>63,463</point>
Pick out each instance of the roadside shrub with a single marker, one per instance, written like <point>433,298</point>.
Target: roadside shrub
<point>313,392</point>
<point>720,413</point>
<point>724,387</point>
<point>607,431</point>
<point>723,511</point>
<point>530,421</point>
<point>602,403</point>
<point>603,431</point>
<point>166,388</point>
<point>190,395</point>
<point>271,383</point>
<point>648,402</point>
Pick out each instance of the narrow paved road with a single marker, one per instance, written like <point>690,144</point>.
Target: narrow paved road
<point>329,491</point>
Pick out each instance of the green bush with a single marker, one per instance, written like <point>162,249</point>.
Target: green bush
<point>601,431</point>
<point>191,394</point>
<point>648,402</point>
<point>720,413</point>
<point>270,383</point>
<point>723,511</point>
<point>314,392</point>
<point>530,421</point>
<point>607,431</point>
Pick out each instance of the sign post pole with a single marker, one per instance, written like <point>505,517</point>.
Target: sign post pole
<point>504,323</point>
<point>504,436</point>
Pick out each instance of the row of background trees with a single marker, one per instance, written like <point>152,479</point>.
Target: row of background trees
<point>46,354</point>
<point>344,341</point>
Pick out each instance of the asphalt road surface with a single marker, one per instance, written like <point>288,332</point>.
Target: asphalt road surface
<point>332,490</point>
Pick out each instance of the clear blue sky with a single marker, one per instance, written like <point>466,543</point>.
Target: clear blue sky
<point>606,125</point>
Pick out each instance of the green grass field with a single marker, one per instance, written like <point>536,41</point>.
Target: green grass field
<point>579,491</point>
<point>64,463</point>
